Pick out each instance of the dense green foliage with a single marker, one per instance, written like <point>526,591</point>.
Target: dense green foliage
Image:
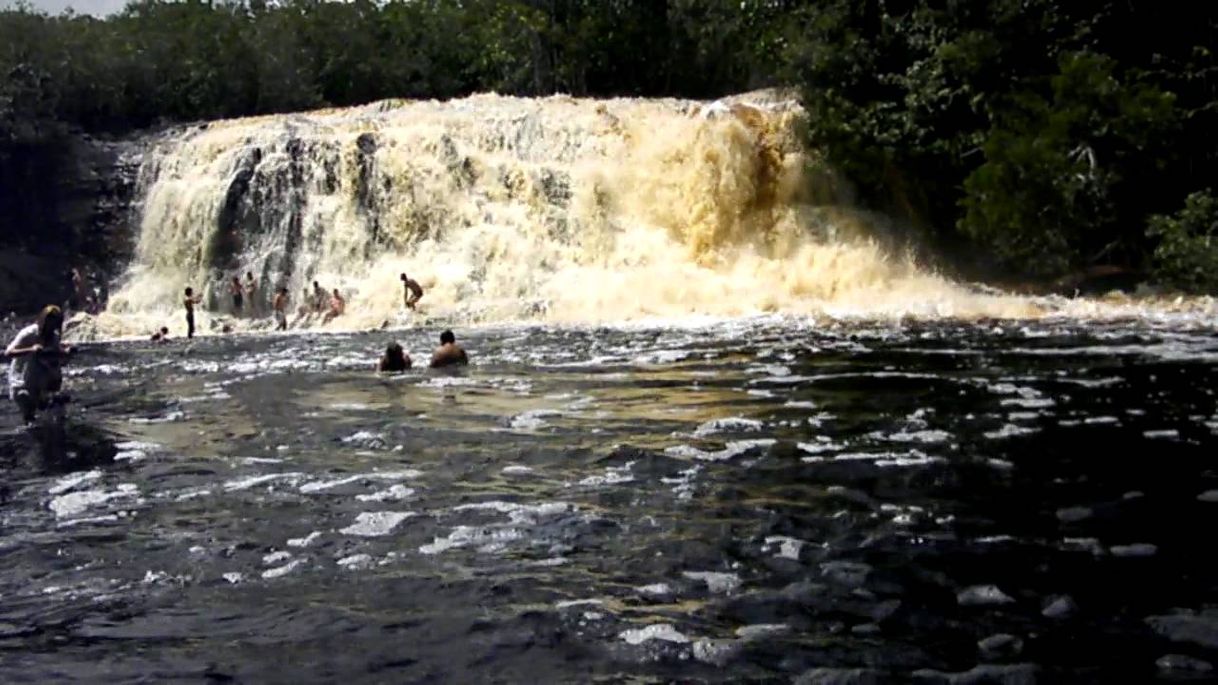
<point>1039,136</point>
<point>1042,133</point>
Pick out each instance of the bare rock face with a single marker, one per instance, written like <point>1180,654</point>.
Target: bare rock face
<point>64,204</point>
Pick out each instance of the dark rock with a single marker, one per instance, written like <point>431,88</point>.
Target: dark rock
<point>1000,646</point>
<point>1014,674</point>
<point>1180,662</point>
<point>850,574</point>
<point>983,595</point>
<point>1197,630</point>
<point>1060,607</point>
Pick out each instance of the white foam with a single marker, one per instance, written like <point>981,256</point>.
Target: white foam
<point>520,513</point>
<point>192,494</point>
<point>282,570</point>
<point>1009,430</point>
<point>566,604</point>
<point>393,494</point>
<point>318,486</point>
<point>734,424</point>
<point>167,418</point>
<point>656,631</point>
<point>462,536</point>
<point>276,557</point>
<point>516,469</point>
<point>655,589</point>
<point>613,475</point>
<point>719,583</point>
<point>356,561</point>
<point>253,481</point>
<point>921,436</point>
<point>532,420</point>
<point>732,449</point>
<point>71,481</point>
<point>233,577</point>
<point>305,541</point>
<point>376,523</point>
<point>788,547</point>
<point>1168,434</point>
<point>760,631</point>
<point>75,503</point>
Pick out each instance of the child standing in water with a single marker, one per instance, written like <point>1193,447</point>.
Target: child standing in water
<point>190,303</point>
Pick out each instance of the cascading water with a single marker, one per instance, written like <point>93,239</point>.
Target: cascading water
<point>554,209</point>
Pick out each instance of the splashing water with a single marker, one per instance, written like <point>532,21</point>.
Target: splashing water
<point>554,209</point>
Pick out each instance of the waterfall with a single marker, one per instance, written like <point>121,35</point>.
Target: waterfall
<point>549,209</point>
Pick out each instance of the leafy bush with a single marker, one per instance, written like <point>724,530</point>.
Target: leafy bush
<point>1187,254</point>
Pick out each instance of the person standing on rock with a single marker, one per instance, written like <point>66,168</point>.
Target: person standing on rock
<point>319,297</point>
<point>251,291</point>
<point>190,301</point>
<point>79,290</point>
<point>280,306</point>
<point>412,291</point>
<point>238,295</point>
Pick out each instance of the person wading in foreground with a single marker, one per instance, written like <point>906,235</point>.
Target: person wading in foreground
<point>35,371</point>
<point>449,353</point>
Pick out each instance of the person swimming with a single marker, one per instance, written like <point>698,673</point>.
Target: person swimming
<point>394,360</point>
<point>37,353</point>
<point>412,291</point>
<point>161,335</point>
<point>449,353</point>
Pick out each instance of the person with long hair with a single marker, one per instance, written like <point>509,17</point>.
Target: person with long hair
<point>36,353</point>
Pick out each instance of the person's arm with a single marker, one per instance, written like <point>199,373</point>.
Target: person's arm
<point>14,351</point>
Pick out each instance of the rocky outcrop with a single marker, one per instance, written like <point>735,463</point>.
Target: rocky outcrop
<point>63,204</point>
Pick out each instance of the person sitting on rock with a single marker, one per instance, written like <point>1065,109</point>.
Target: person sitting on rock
<point>449,353</point>
<point>338,306</point>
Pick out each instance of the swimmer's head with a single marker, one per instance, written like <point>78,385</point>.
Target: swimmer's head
<point>164,330</point>
<point>316,285</point>
<point>189,292</point>
<point>50,320</point>
<point>393,351</point>
<point>249,275</point>
<point>447,338</point>
<point>403,277</point>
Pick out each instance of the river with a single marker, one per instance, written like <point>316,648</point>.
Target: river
<point>752,499</point>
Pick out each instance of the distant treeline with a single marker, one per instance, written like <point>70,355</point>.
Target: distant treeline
<point>1037,137</point>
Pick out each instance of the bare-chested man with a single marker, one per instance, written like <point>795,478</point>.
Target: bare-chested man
<point>280,305</point>
<point>449,353</point>
<point>412,291</point>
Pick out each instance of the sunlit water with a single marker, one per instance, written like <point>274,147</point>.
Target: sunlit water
<point>749,500</point>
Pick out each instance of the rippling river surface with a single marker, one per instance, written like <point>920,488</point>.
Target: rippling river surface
<point>748,501</point>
